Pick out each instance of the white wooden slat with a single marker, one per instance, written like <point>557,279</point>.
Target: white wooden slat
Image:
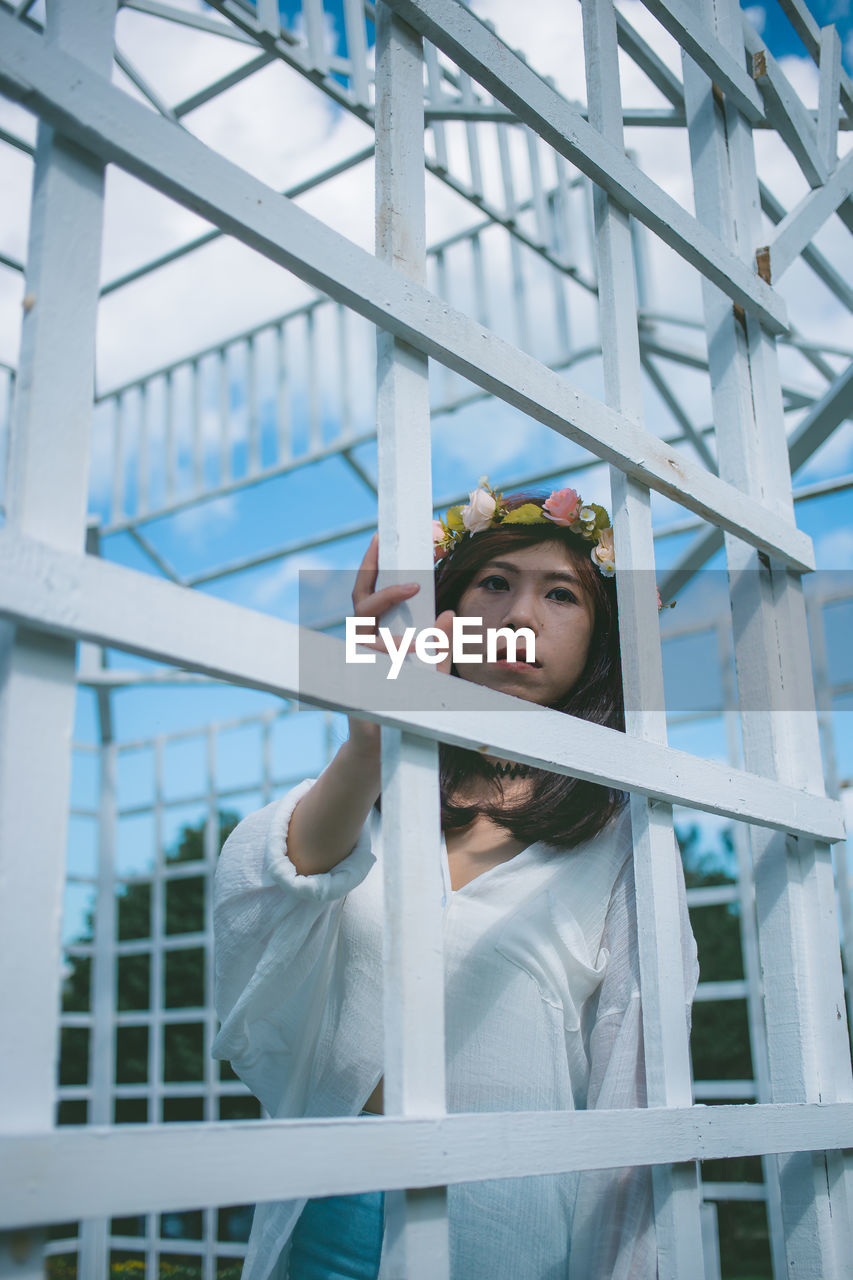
<point>315,413</point>
<point>131,135</point>
<point>472,136</point>
<point>770,649</point>
<point>143,1169</point>
<point>558,283</point>
<point>315,30</point>
<point>710,1242</point>
<point>483,55</point>
<point>121,608</point>
<point>118,418</point>
<point>481,295</point>
<point>47,497</point>
<point>196,425</point>
<point>434,97</point>
<point>828,103</point>
<point>268,16</point>
<point>416,1235</point>
<point>186,18</point>
<point>93,1242</point>
<point>143,450</point>
<point>356,38</point>
<point>678,1222</point>
<point>537,188</point>
<point>254,424</point>
<point>154,1086</point>
<point>344,388</point>
<point>169,442</point>
<point>283,436</point>
<point>750,955</point>
<point>224,417</point>
<point>806,218</point>
<point>817,640</point>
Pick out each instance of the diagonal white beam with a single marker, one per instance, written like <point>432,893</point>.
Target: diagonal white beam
<point>803,222</point>
<point>699,42</point>
<point>817,425</point>
<point>793,122</point>
<point>464,38</point>
<point>107,122</point>
<point>124,609</point>
<point>188,19</point>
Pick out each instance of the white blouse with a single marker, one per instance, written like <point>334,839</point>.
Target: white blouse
<point>542,1013</point>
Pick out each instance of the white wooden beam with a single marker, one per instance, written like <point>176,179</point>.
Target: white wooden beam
<point>798,942</point>
<point>794,124</point>
<point>187,18</point>
<point>47,486</point>
<point>145,1169</point>
<point>828,103</point>
<point>656,870</point>
<point>416,1233</point>
<point>128,134</point>
<point>121,608</point>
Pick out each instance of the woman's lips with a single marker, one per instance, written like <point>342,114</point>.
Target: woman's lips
<point>516,666</point>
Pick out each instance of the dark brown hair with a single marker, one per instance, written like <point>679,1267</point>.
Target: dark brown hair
<point>560,810</point>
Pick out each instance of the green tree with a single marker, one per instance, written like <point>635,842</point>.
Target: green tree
<point>185,900</point>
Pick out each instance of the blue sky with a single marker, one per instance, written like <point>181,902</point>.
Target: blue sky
<point>783,40</point>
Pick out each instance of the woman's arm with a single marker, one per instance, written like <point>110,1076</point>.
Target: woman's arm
<point>276,936</point>
<point>327,821</point>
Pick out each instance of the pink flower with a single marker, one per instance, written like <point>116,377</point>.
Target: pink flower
<point>660,602</point>
<point>562,506</point>
<point>438,536</point>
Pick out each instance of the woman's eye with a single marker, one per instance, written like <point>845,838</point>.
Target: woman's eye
<point>563,594</point>
<point>494,582</point>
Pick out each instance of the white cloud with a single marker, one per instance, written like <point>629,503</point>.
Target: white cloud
<point>757,15</point>
<point>834,549</point>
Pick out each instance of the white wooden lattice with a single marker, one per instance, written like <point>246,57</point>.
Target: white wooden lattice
<point>51,596</point>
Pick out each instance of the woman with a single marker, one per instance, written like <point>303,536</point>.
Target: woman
<point>541,966</point>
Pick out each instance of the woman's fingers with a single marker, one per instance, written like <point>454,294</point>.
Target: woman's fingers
<point>365,574</point>
<point>369,603</point>
<point>376,603</point>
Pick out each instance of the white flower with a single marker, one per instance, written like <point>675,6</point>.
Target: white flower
<point>586,514</point>
<point>477,514</point>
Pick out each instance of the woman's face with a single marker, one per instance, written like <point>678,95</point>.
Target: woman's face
<point>538,588</point>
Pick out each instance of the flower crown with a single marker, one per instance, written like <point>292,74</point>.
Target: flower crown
<point>486,509</point>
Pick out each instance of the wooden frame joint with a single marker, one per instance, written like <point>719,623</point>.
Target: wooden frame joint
<point>762,263</point>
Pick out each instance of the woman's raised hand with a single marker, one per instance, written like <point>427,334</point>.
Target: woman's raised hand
<point>367,602</point>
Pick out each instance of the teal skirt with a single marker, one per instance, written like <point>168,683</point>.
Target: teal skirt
<point>339,1238</point>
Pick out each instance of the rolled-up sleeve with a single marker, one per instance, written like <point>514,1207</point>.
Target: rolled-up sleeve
<point>275,937</point>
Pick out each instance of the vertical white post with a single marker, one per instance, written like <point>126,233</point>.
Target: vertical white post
<point>806,1040</point>
<point>94,1232</point>
<point>48,489</point>
<point>416,1245</point>
<point>668,1080</point>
